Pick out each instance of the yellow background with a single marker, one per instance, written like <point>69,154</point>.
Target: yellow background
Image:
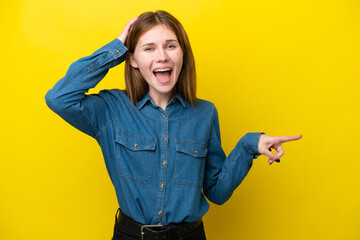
<point>282,67</point>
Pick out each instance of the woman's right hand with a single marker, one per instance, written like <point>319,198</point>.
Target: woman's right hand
<point>123,35</point>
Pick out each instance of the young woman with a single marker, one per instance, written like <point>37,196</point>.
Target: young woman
<point>160,143</point>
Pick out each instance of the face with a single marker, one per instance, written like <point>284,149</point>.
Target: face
<point>159,58</point>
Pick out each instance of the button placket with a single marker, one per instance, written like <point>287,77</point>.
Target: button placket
<point>164,120</point>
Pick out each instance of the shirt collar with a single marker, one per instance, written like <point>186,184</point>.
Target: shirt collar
<point>143,101</point>
<point>180,98</point>
<point>147,98</point>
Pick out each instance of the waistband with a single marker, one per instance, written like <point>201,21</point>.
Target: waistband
<point>155,232</point>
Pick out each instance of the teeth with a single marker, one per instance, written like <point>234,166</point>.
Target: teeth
<point>162,70</point>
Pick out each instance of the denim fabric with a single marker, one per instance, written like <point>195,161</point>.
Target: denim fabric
<point>161,163</point>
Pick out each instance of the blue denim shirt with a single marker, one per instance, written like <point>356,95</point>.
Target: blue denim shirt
<point>161,163</point>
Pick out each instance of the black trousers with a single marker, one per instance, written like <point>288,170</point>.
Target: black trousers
<point>120,233</point>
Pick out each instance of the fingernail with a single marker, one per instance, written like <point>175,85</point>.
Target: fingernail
<point>277,160</point>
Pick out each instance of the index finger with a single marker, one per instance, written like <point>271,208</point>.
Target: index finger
<point>289,138</point>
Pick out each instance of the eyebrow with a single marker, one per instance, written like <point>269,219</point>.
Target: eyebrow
<point>167,41</point>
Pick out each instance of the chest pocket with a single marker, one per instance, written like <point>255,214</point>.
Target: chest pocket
<point>134,157</point>
<point>190,163</point>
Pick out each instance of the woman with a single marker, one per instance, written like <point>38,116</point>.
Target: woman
<point>161,144</point>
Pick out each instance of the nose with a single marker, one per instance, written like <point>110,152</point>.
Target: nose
<point>162,55</point>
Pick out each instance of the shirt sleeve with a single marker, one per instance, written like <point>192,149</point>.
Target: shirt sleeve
<point>224,174</point>
<point>68,99</point>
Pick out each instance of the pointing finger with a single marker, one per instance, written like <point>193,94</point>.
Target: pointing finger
<point>289,138</point>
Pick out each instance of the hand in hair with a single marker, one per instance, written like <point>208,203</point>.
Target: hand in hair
<point>123,35</point>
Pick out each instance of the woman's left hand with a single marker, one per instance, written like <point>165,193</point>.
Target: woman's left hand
<point>266,142</point>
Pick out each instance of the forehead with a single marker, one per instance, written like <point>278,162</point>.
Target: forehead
<point>157,34</point>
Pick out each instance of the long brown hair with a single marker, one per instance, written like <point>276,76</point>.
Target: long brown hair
<point>136,86</point>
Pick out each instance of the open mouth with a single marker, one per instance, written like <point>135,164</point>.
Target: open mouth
<point>163,75</point>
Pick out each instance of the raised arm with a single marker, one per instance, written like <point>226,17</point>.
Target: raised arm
<point>68,99</point>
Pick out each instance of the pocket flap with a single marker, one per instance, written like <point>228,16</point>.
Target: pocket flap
<point>192,148</point>
<point>135,143</point>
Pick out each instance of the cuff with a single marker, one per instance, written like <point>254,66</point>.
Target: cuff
<point>116,47</point>
<point>114,50</point>
<point>251,143</point>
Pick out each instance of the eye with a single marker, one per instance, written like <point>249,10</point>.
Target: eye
<point>171,46</point>
<point>148,49</point>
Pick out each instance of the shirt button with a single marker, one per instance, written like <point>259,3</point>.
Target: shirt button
<point>164,162</point>
<point>160,212</point>
<point>165,138</point>
<point>135,145</point>
<point>117,50</point>
<point>165,117</point>
<point>162,186</point>
<point>195,151</point>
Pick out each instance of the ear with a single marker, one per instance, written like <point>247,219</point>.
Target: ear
<point>133,62</point>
